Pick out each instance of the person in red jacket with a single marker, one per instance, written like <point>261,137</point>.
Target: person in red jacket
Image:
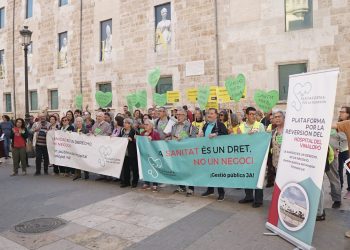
<point>153,136</point>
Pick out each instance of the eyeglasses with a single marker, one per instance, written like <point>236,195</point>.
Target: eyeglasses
<point>65,120</point>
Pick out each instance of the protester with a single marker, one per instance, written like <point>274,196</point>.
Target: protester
<point>212,129</point>
<point>79,128</point>
<point>118,126</point>
<point>78,113</point>
<point>101,127</point>
<point>70,117</point>
<point>125,109</point>
<point>223,116</point>
<point>189,114</point>
<point>198,122</point>
<point>88,121</point>
<point>53,123</point>
<point>40,128</point>
<point>332,173</point>
<point>154,114</point>
<point>234,124</point>
<point>161,122</point>
<point>344,114</point>
<point>19,135</point>
<point>252,126</point>
<point>137,120</point>
<point>181,130</point>
<point>6,127</point>
<point>130,160</point>
<point>153,136</point>
<point>66,126</point>
<point>108,119</point>
<point>276,143</point>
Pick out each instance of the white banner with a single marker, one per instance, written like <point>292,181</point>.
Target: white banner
<point>301,165</point>
<point>98,154</point>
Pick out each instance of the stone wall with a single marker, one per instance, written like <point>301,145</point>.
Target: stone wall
<point>251,35</point>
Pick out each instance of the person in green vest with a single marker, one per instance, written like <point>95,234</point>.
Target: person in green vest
<point>251,126</point>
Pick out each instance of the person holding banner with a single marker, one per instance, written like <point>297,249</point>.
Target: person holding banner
<point>130,160</point>
<point>251,126</point>
<point>101,127</point>
<point>66,126</point>
<point>153,136</point>
<point>79,128</point>
<point>180,131</point>
<point>212,129</point>
<point>161,122</point>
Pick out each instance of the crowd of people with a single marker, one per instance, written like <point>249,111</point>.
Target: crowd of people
<point>28,139</point>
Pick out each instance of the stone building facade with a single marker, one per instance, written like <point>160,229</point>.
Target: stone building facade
<point>210,40</point>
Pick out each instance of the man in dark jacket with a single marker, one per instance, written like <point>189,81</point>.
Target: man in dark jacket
<point>212,129</point>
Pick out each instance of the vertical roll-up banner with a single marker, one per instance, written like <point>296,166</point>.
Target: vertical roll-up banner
<point>301,165</point>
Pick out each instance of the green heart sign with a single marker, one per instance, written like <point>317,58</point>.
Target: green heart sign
<point>141,98</point>
<point>131,101</point>
<point>203,96</point>
<point>266,100</point>
<point>279,139</point>
<point>153,77</point>
<point>159,99</point>
<point>103,99</point>
<point>79,101</point>
<point>235,87</point>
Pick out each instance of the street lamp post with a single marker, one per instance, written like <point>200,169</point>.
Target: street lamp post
<point>26,41</point>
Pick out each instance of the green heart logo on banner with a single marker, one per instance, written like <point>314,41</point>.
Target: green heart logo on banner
<point>141,98</point>
<point>103,98</point>
<point>153,77</point>
<point>79,101</point>
<point>203,96</point>
<point>235,87</point>
<point>266,100</point>
<point>159,99</point>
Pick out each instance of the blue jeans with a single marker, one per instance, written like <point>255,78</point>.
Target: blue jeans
<point>7,143</point>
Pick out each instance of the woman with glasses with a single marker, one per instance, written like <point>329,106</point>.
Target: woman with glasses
<point>223,117</point>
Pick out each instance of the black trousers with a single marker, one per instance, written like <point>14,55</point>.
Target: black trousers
<point>129,165</point>
<point>41,152</point>
<point>220,190</point>
<point>189,187</point>
<point>271,171</point>
<point>258,197</point>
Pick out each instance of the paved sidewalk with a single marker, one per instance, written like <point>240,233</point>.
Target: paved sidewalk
<point>101,215</point>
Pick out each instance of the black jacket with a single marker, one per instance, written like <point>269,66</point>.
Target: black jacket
<point>218,128</point>
<point>132,152</point>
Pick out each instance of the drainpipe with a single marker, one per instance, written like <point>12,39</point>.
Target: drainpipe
<point>13,60</point>
<point>217,69</point>
<point>81,41</point>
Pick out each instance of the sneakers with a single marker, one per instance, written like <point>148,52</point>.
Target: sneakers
<point>336,204</point>
<point>145,187</point>
<point>221,197</point>
<point>154,189</point>
<point>24,173</point>
<point>179,190</point>
<point>321,217</point>
<point>347,234</point>
<point>347,196</point>
<point>207,193</point>
<point>13,174</point>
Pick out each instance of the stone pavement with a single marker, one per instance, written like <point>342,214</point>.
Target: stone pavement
<point>103,216</point>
